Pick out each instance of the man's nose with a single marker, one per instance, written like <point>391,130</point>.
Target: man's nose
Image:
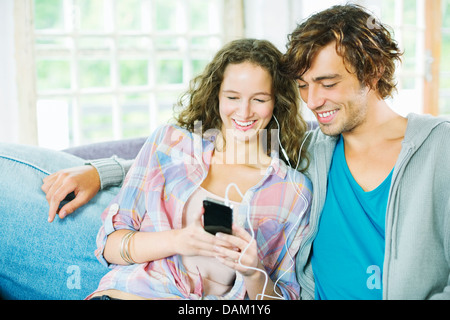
<point>314,98</point>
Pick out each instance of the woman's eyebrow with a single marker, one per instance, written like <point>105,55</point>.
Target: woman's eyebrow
<point>255,94</point>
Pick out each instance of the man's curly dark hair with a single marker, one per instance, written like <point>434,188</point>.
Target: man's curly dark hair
<point>367,46</point>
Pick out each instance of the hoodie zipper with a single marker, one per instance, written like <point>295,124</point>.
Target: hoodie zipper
<point>392,220</point>
<point>308,283</point>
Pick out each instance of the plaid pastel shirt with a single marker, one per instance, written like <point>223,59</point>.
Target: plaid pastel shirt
<point>171,165</point>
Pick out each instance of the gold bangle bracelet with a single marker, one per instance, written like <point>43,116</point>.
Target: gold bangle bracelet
<point>125,248</point>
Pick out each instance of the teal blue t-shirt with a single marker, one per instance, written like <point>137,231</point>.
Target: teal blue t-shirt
<point>348,252</point>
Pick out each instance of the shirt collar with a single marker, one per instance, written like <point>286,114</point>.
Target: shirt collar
<point>277,165</point>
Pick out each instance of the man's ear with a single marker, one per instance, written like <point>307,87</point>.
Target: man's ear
<point>378,76</point>
<point>373,84</point>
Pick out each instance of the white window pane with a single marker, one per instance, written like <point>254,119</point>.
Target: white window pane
<point>91,15</point>
<point>135,115</point>
<point>169,71</point>
<point>445,103</point>
<point>134,72</point>
<point>53,74</point>
<point>96,118</point>
<point>132,15</point>
<point>166,18</point>
<point>410,12</point>
<point>166,102</point>
<point>53,123</point>
<point>49,14</point>
<point>94,73</point>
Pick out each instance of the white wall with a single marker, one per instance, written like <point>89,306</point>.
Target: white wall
<point>268,19</point>
<point>8,83</point>
<point>274,20</point>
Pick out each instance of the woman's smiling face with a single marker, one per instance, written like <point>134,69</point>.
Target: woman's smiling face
<point>246,100</point>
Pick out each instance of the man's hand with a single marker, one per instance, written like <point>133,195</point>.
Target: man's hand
<point>83,181</point>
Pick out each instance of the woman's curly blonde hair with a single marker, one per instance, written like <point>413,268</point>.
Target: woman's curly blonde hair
<point>201,102</point>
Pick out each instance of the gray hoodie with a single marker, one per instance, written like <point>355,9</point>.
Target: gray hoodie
<point>417,249</point>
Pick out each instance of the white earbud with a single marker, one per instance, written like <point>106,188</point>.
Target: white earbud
<point>279,142</point>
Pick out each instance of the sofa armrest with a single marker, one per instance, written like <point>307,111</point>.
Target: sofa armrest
<point>125,149</point>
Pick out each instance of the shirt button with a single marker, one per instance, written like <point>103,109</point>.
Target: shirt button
<point>113,209</point>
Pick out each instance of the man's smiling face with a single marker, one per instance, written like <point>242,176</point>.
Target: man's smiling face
<point>334,94</point>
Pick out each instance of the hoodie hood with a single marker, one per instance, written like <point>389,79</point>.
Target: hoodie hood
<point>419,128</point>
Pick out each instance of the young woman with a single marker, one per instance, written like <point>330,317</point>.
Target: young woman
<point>221,147</point>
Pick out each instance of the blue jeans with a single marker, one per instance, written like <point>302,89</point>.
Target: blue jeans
<point>41,260</point>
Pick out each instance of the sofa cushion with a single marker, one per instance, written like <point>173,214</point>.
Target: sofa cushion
<point>38,259</point>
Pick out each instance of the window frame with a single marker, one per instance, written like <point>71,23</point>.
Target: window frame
<point>433,40</point>
<point>30,95</point>
<point>26,85</point>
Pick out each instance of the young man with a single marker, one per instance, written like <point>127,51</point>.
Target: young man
<point>380,221</point>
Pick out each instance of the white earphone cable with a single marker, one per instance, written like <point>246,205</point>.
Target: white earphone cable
<point>262,294</point>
